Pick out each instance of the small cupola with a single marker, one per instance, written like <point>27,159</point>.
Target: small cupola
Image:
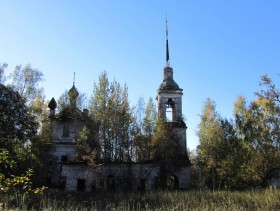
<point>168,83</point>
<point>52,106</point>
<point>73,96</point>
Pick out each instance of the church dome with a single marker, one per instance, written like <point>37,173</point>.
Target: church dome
<point>169,84</point>
<point>73,92</point>
<point>52,105</point>
<point>73,95</point>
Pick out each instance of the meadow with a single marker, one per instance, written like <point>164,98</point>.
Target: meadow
<point>257,199</point>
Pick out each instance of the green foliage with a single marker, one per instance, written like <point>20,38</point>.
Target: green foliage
<point>22,108</point>
<point>258,126</point>
<point>146,123</point>
<point>150,119</point>
<point>110,108</point>
<point>211,136</point>
<point>239,153</point>
<point>165,145</point>
<point>2,72</point>
<point>88,146</point>
<point>11,183</point>
<point>64,101</point>
<point>25,80</point>
<point>18,125</point>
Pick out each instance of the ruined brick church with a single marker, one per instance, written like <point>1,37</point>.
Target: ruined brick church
<point>66,172</point>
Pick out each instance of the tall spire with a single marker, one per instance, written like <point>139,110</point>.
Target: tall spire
<point>167,48</point>
<point>74,80</point>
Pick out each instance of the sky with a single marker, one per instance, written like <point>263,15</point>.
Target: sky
<point>218,49</point>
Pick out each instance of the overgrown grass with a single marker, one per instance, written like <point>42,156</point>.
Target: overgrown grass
<point>263,199</point>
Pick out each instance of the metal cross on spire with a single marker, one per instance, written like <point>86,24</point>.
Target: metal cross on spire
<point>167,48</point>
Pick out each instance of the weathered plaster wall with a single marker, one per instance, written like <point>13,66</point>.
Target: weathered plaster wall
<point>184,177</point>
<point>273,178</point>
<point>176,96</point>
<point>120,172</point>
<point>64,150</point>
<point>145,173</point>
<point>180,133</point>
<point>74,126</point>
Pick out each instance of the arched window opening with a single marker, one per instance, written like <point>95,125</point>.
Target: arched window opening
<point>169,111</point>
<point>65,131</point>
<point>142,185</point>
<point>172,182</point>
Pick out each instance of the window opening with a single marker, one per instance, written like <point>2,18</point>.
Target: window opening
<point>81,184</point>
<point>142,185</point>
<point>63,182</point>
<point>172,182</point>
<point>169,110</point>
<point>65,131</point>
<point>49,182</point>
<point>64,158</point>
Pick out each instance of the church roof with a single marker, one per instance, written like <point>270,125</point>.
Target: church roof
<point>169,84</point>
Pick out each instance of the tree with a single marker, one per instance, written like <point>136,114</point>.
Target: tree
<point>164,142</point>
<point>25,80</point>
<point>224,157</point>
<point>19,133</point>
<point>231,171</point>
<point>269,103</point>
<point>2,72</point>
<point>148,125</point>
<point>240,152</point>
<point>22,108</point>
<point>110,108</point>
<point>139,113</point>
<point>87,144</point>
<point>18,124</point>
<point>150,119</point>
<point>258,126</point>
<point>211,139</point>
<point>270,91</point>
<point>19,186</point>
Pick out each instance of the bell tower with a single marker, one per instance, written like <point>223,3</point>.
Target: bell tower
<point>169,99</point>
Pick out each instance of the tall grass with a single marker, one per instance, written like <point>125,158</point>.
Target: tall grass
<point>264,199</point>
